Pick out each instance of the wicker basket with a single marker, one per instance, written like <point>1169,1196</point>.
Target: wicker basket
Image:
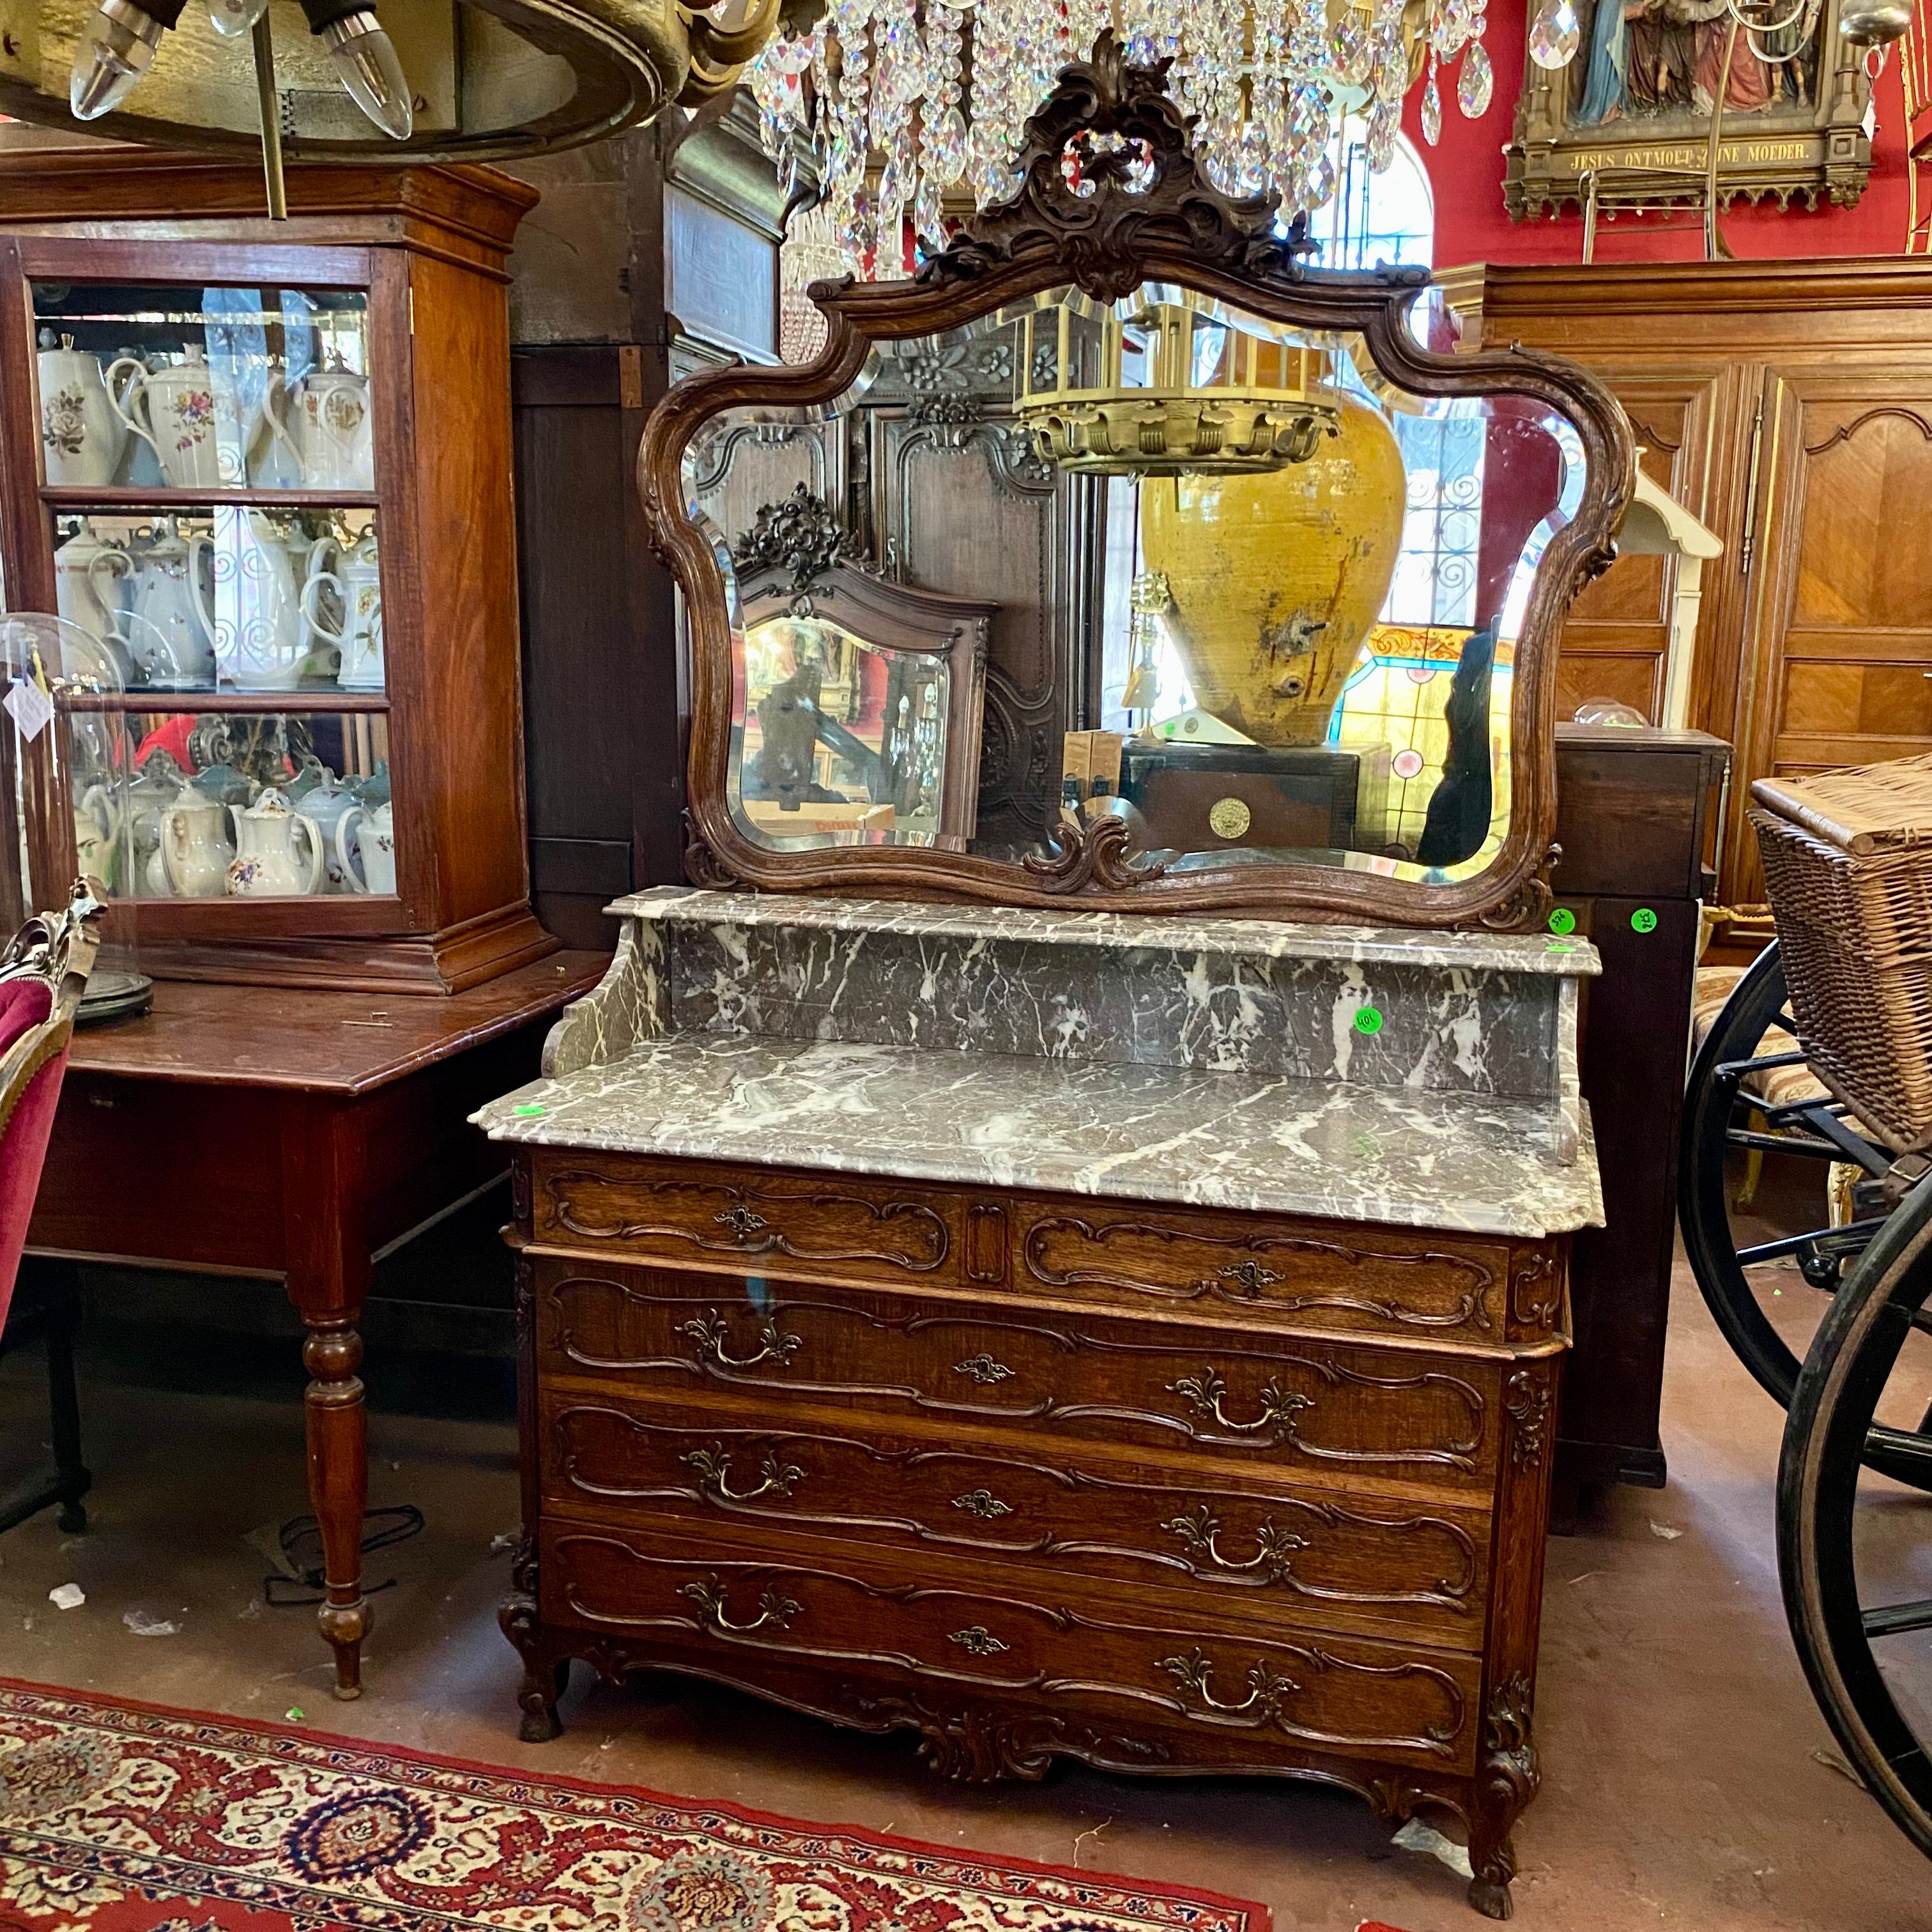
<point>1848,865</point>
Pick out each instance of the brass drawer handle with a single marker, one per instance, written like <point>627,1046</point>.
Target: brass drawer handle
<point>982,1369</point>
<point>1266,1688</point>
<point>1249,1276</point>
<point>1274,1548</point>
<point>983,1504</point>
<point>1280,1407</point>
<point>739,1219</point>
<point>710,1331</point>
<point>979,1640</point>
<point>773,1609</point>
<point>712,1467</point>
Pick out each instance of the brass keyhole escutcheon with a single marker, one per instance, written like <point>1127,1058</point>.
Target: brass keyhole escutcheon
<point>1229,818</point>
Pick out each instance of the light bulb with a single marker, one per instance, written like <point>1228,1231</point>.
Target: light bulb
<point>365,57</point>
<point>235,17</point>
<point>116,48</point>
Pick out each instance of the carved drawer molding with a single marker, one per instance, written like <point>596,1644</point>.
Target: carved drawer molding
<point>1367,1278</point>
<point>1336,1558</point>
<point>694,1214</point>
<point>1203,1687</point>
<point>1300,1403</point>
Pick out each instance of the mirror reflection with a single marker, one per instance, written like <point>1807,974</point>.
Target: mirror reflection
<point>1162,558</point>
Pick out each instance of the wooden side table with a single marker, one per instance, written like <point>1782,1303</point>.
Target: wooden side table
<point>293,1135</point>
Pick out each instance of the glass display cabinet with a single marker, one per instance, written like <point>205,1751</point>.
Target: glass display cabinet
<point>263,475</point>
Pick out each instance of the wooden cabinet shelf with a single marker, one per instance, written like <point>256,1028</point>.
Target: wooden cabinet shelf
<point>160,497</point>
<point>269,703</point>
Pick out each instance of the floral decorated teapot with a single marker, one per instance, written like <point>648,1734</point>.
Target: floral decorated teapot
<point>278,851</point>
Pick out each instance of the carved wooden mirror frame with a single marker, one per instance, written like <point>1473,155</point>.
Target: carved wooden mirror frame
<point>1170,225</point>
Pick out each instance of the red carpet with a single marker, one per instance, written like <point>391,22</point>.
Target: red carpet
<point>125,1817</point>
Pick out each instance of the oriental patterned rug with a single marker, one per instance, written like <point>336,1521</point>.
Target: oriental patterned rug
<point>125,1817</point>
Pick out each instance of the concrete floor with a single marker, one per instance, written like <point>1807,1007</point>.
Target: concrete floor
<point>1688,1782</point>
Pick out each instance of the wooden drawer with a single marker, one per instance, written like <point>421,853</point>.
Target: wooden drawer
<point>1274,1270</point>
<point>1305,1405</point>
<point>1255,1549</point>
<point>697,1214</point>
<point>1213,1695</point>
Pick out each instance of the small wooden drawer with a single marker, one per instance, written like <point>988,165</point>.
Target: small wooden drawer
<point>698,1214</point>
<point>1225,1697</point>
<point>1281,1272</point>
<point>1302,1404</point>
<point>1252,1548</point>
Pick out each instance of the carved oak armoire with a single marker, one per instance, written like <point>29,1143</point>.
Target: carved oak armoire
<point>1059,1296</point>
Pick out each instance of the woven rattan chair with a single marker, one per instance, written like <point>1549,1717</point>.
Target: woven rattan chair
<point>43,973</point>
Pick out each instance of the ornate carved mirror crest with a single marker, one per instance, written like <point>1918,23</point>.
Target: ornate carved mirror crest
<point>1123,555</point>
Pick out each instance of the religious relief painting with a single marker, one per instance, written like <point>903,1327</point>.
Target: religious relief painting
<point>1633,109</point>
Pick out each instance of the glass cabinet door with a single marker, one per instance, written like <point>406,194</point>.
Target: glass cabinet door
<point>209,478</point>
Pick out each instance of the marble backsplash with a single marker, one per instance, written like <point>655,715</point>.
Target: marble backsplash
<point>1454,1013</point>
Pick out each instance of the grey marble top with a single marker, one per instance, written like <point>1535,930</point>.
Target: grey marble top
<point>1481,952</point>
<point>1478,1163</point>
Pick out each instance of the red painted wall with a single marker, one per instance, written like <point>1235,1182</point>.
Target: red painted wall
<point>1466,172</point>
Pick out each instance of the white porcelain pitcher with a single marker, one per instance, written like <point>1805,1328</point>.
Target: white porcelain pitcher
<point>92,581</point>
<point>375,839</point>
<point>196,849</point>
<point>171,640</point>
<point>278,851</point>
<point>82,434</point>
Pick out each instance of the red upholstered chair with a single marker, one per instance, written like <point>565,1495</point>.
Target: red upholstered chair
<point>43,974</point>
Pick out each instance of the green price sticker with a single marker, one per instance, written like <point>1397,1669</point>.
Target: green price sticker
<point>1368,1019</point>
<point>1643,920</point>
<point>1562,922</point>
<point>522,1111</point>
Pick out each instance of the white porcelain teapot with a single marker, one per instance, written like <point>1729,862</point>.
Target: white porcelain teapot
<point>82,432</point>
<point>256,616</point>
<point>196,849</point>
<point>97,835</point>
<point>278,851</point>
<point>375,841</point>
<point>91,580</point>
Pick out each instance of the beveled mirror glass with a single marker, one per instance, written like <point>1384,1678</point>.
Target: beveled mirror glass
<point>1117,555</point>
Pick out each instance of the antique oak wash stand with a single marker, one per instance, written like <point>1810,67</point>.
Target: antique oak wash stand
<point>937,1319</point>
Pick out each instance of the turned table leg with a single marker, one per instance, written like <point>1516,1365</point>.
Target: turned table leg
<point>338,1487</point>
<point>327,1262</point>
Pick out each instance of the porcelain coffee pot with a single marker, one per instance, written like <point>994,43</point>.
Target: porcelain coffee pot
<point>191,415</point>
<point>82,432</point>
<point>278,851</point>
<point>167,598</point>
<point>156,787</point>
<point>377,837</point>
<point>329,422</point>
<point>97,835</point>
<point>195,848</point>
<point>337,814</point>
<point>357,583</point>
<point>255,614</point>
<point>91,581</point>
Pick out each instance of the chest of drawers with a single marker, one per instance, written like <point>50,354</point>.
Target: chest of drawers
<point>1034,1472</point>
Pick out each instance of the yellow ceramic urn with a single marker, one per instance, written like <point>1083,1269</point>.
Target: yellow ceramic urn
<point>1277,576</point>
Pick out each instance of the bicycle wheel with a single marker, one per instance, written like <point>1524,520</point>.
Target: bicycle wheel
<point>1854,1547</point>
<point>1730,1114</point>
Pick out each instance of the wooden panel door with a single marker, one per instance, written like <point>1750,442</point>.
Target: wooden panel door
<point>1839,630</point>
<point>1617,634</point>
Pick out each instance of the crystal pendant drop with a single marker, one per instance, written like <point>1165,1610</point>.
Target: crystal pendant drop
<point>1554,37</point>
<point>1385,124</point>
<point>1321,182</point>
<point>1351,50</point>
<point>946,147</point>
<point>1252,158</point>
<point>1431,111</point>
<point>1476,82</point>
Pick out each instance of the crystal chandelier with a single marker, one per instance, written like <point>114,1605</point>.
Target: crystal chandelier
<point>906,103</point>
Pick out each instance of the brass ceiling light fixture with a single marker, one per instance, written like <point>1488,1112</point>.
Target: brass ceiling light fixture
<point>430,80</point>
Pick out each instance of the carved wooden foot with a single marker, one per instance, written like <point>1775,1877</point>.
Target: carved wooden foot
<point>546,1676</point>
<point>1506,1777</point>
<point>338,1488</point>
